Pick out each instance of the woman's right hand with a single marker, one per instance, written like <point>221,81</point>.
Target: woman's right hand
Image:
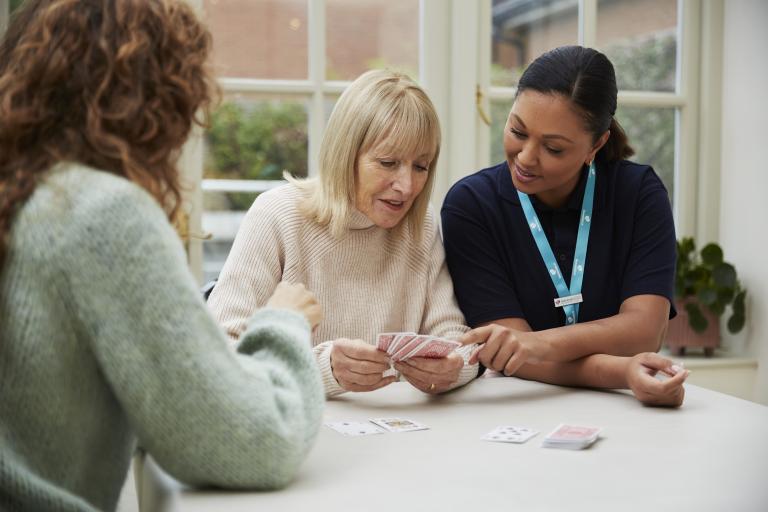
<point>298,298</point>
<point>358,366</point>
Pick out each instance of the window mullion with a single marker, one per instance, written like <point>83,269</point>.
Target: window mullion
<point>588,23</point>
<point>710,121</point>
<point>316,34</point>
<point>190,166</point>
<point>461,136</point>
<point>485,18</point>
<point>686,183</point>
<point>650,99</point>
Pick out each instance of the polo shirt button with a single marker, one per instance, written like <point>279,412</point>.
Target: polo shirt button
<point>562,257</point>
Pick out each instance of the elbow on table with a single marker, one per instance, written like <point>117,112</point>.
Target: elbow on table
<point>280,464</point>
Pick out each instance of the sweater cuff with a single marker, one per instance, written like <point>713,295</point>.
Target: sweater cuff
<point>285,324</point>
<point>323,358</point>
<point>470,371</point>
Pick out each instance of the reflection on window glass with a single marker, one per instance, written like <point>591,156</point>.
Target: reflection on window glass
<point>524,29</point>
<point>640,38</point>
<point>371,34</point>
<point>257,139</point>
<point>651,132</point>
<point>258,38</point>
<point>499,113</point>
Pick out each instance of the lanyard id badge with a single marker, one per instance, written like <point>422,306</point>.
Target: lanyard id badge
<point>568,298</point>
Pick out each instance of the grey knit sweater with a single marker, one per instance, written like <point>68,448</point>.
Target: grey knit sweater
<point>104,339</point>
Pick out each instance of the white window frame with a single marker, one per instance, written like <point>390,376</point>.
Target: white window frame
<point>695,185</point>
<point>454,64</point>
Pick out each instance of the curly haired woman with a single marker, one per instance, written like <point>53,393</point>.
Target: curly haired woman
<point>103,336</point>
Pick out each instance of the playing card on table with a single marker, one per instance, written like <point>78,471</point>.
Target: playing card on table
<point>572,437</point>
<point>354,428</point>
<point>510,434</point>
<point>399,424</point>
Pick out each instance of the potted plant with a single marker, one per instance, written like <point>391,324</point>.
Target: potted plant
<point>705,286</point>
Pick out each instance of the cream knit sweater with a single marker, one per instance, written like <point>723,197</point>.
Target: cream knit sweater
<point>368,282</point>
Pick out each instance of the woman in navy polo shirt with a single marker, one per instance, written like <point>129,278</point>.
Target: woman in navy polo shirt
<point>563,256</point>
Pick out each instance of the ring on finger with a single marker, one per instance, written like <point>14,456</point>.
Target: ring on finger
<point>432,387</point>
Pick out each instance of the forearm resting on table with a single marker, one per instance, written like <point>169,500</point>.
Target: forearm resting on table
<point>639,326</point>
<point>595,371</point>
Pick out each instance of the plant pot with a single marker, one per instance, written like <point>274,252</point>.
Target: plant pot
<point>681,336</point>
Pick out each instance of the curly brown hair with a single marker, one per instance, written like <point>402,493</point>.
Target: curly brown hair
<point>112,84</point>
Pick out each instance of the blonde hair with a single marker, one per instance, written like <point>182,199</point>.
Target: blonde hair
<point>379,106</point>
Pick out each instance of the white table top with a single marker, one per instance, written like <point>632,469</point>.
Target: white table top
<point>711,454</point>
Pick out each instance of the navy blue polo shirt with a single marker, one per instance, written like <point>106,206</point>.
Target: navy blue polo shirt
<point>498,272</point>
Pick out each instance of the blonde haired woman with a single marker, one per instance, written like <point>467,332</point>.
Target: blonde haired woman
<point>362,237</point>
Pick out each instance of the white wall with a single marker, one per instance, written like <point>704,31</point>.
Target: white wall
<point>744,172</point>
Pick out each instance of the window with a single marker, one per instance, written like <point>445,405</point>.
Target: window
<point>281,65</point>
<point>639,36</point>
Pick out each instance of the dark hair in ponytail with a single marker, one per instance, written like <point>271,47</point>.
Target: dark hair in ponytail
<point>586,77</point>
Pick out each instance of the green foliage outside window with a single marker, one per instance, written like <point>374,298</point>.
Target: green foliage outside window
<point>256,141</point>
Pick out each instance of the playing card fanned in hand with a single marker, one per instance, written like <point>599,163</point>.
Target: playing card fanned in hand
<point>571,437</point>
<point>404,345</point>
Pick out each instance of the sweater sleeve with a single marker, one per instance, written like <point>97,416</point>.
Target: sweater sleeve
<point>208,414</point>
<point>253,268</point>
<point>442,316</point>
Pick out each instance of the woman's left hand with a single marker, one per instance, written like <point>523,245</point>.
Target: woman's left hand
<point>431,375</point>
<point>641,379</point>
<point>504,349</point>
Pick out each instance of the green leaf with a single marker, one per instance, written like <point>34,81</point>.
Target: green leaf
<point>712,254</point>
<point>738,303</point>
<point>736,323</point>
<point>707,296</point>
<point>685,247</point>
<point>718,308</point>
<point>725,295</point>
<point>724,275</point>
<point>696,318</point>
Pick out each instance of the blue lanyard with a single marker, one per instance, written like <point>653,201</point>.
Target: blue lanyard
<point>568,299</point>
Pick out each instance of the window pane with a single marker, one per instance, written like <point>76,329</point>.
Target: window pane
<point>258,38</point>
<point>252,137</point>
<point>651,133</point>
<point>223,214</point>
<point>371,34</point>
<point>499,113</point>
<point>640,38</point>
<point>257,137</point>
<point>523,30</point>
